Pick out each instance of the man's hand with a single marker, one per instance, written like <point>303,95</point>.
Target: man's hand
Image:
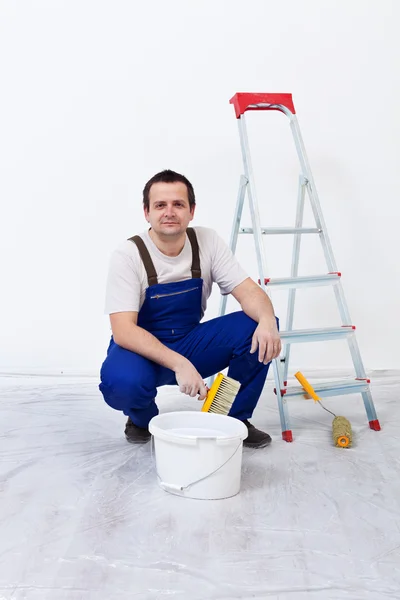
<point>266,339</point>
<point>189,380</point>
<point>257,305</point>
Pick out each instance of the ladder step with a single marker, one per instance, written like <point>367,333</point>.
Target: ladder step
<point>281,230</point>
<point>337,388</point>
<point>316,335</point>
<point>303,281</point>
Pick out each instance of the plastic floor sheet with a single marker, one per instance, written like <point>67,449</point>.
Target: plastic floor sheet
<point>82,516</point>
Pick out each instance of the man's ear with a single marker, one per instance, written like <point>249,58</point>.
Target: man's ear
<point>193,208</point>
<point>146,214</point>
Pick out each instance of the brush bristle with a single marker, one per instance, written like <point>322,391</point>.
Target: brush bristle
<point>225,396</point>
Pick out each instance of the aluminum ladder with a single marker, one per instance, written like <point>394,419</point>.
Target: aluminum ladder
<point>243,102</point>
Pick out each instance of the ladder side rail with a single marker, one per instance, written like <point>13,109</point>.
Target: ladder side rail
<point>282,403</point>
<point>255,217</point>
<point>238,213</point>
<point>235,231</point>
<point>316,207</point>
<point>294,271</point>
<point>251,192</point>
<point>315,204</point>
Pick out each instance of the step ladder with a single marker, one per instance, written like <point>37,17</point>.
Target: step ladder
<point>243,102</point>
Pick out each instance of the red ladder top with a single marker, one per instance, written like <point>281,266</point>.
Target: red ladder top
<point>243,101</point>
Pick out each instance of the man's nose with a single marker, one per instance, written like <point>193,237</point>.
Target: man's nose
<point>169,209</point>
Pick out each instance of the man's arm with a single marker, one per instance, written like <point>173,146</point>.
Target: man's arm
<point>129,335</point>
<point>257,305</point>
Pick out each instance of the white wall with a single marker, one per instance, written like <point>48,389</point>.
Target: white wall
<point>98,96</point>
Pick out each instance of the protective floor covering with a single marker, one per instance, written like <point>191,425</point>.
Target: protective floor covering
<point>82,516</point>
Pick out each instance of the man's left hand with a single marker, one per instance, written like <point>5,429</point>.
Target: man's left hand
<point>266,339</point>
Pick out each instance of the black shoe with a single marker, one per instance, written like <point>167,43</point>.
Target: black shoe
<point>135,434</point>
<point>256,438</point>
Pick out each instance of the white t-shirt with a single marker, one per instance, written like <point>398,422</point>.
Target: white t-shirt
<point>127,277</point>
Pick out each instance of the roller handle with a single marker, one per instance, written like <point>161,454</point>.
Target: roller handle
<point>307,386</point>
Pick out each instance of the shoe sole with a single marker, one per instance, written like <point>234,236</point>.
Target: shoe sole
<point>255,445</point>
<point>137,442</point>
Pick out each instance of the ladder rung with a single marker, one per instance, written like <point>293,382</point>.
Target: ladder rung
<point>281,230</point>
<point>316,335</point>
<point>303,281</point>
<point>337,388</point>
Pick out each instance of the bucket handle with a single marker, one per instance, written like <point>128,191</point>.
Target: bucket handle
<point>173,487</point>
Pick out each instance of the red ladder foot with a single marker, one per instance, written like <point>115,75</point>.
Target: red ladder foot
<point>287,436</point>
<point>375,425</point>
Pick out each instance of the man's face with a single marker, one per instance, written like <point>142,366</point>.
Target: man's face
<point>169,213</point>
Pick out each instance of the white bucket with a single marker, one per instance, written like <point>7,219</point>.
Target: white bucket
<point>198,454</point>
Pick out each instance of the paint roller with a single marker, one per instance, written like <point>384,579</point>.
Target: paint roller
<point>341,428</point>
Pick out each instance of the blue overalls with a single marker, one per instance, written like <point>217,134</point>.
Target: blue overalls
<point>172,313</point>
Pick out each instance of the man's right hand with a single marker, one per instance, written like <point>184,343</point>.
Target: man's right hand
<point>189,380</point>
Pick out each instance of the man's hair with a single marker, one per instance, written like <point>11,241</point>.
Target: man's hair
<point>168,176</point>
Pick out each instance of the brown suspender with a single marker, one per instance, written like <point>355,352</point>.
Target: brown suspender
<point>196,271</point>
<point>146,258</point>
<point>148,263</point>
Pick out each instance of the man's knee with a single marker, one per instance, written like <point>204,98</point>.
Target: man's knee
<point>248,324</point>
<point>242,323</point>
<point>122,388</point>
<point>245,327</point>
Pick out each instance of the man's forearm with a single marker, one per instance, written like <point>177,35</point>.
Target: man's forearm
<point>257,305</point>
<point>136,339</point>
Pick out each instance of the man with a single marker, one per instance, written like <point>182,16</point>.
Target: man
<point>157,291</point>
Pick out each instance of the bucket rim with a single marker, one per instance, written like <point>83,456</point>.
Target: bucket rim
<point>192,439</point>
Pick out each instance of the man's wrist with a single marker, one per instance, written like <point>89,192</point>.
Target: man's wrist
<point>267,319</point>
<point>177,361</point>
